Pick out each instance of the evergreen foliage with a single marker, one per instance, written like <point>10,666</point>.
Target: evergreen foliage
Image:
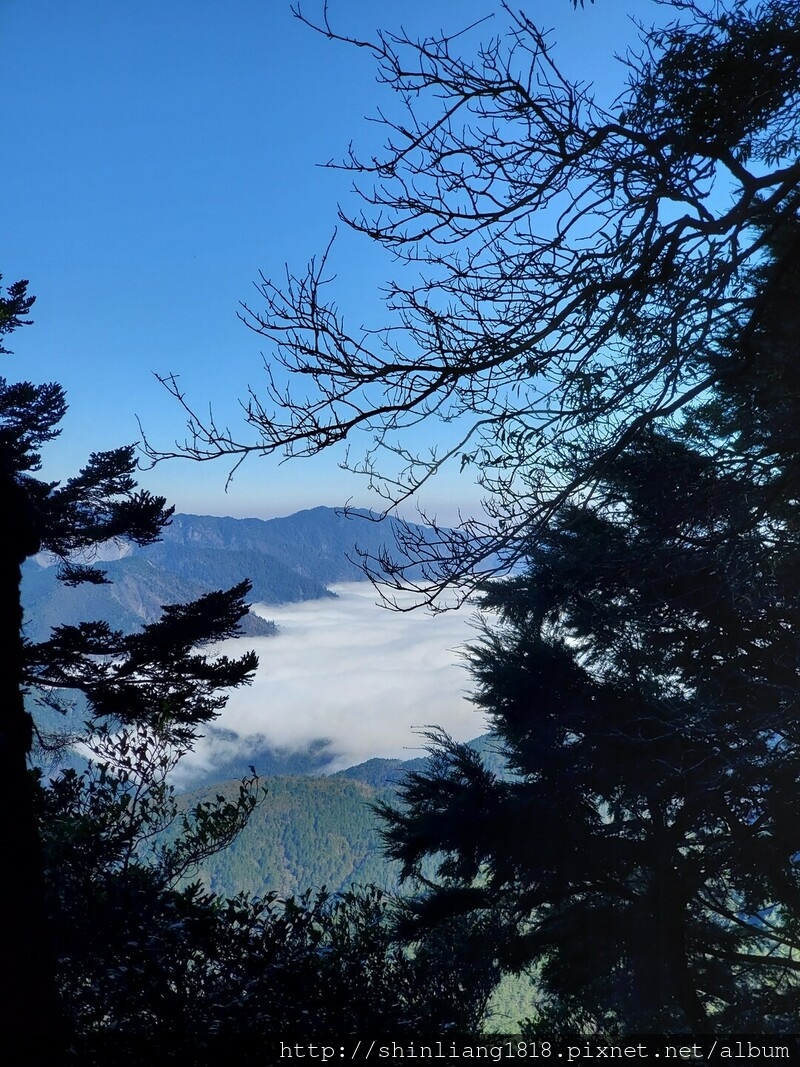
<point>318,831</point>
<point>287,559</point>
<point>158,677</point>
<point>645,684</point>
<point>150,962</point>
<point>112,953</point>
<point>602,299</point>
<point>134,594</point>
<point>609,299</point>
<point>314,832</point>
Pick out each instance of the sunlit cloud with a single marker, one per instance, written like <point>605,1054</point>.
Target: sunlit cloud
<point>353,672</point>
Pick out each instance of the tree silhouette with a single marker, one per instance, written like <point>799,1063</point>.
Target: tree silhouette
<point>644,681</point>
<point>149,963</point>
<point>156,676</point>
<point>567,271</point>
<point>599,301</point>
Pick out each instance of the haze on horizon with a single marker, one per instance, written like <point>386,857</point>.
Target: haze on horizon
<point>165,155</point>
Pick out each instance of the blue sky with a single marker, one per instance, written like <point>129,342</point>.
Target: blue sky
<point>157,155</point>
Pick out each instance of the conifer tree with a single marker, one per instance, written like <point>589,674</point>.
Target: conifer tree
<point>645,682</point>
<point>155,676</point>
<point>150,962</point>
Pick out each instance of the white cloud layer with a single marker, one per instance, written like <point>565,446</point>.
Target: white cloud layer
<point>354,672</point>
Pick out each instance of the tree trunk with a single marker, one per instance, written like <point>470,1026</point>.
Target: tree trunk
<point>28,997</point>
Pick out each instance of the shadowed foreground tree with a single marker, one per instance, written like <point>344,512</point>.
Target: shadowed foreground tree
<point>156,676</point>
<point>599,303</point>
<point>645,681</point>
<point>148,964</point>
<point>108,955</point>
<point>569,271</point>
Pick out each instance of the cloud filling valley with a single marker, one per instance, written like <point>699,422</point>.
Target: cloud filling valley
<point>349,671</point>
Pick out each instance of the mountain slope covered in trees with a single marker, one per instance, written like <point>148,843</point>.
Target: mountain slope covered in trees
<point>316,831</point>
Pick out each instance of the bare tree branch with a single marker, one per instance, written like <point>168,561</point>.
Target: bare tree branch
<point>566,273</point>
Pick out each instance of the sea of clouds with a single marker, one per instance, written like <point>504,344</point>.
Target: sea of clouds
<point>352,672</point>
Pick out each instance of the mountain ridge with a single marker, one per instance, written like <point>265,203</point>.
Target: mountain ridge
<point>288,559</point>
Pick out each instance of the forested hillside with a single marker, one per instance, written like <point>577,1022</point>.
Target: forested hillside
<point>307,832</point>
<point>316,831</point>
<point>319,545</point>
<point>589,321</point>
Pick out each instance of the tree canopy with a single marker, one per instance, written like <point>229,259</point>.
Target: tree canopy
<point>150,963</point>
<point>569,269</point>
<point>599,299</point>
<point>111,952</point>
<point>644,680</point>
<point>157,677</point>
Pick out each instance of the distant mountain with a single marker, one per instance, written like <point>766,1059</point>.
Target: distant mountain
<point>314,831</point>
<point>138,590</point>
<point>310,830</point>
<point>287,560</point>
<point>319,545</point>
<point>232,760</point>
<point>307,832</point>
<point>389,772</point>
